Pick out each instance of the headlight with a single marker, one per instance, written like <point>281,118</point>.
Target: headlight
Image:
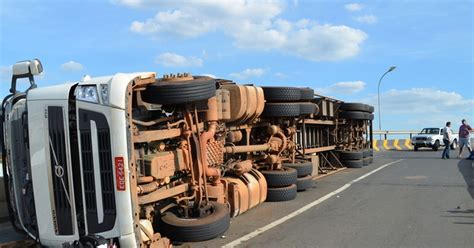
<point>104,93</point>
<point>87,93</point>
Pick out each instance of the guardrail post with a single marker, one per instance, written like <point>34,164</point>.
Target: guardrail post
<point>385,136</point>
<point>411,135</point>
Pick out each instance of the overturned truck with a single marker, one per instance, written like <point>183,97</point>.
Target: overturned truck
<point>140,161</point>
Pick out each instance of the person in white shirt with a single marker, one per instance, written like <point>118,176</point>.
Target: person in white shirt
<point>447,138</point>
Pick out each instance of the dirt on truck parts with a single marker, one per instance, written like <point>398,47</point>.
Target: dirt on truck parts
<point>136,160</point>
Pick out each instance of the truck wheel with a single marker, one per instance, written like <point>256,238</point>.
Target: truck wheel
<point>355,115</point>
<point>358,163</point>
<point>436,146</point>
<point>366,153</point>
<point>454,145</point>
<point>281,110</point>
<point>365,161</point>
<point>280,178</point>
<point>371,159</point>
<point>307,94</point>
<point>307,108</point>
<point>179,92</point>
<point>195,229</point>
<point>415,148</point>
<point>353,106</point>
<point>304,183</point>
<point>287,193</point>
<point>302,167</point>
<point>345,155</point>
<point>282,94</point>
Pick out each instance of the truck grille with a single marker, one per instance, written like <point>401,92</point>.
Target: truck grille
<point>420,138</point>
<point>105,170</point>
<point>62,215</point>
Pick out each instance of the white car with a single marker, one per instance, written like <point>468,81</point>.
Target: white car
<point>432,137</point>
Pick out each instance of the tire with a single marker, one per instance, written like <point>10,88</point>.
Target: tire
<point>195,229</point>
<point>371,160</point>
<point>280,178</point>
<point>366,153</point>
<point>304,183</point>
<point>345,155</point>
<point>302,167</point>
<point>179,92</point>
<point>454,145</point>
<point>371,152</point>
<point>307,94</point>
<point>281,94</point>
<point>281,110</point>
<point>358,163</point>
<point>355,115</point>
<point>287,193</point>
<point>308,108</point>
<point>436,146</point>
<point>415,148</point>
<point>366,161</point>
<point>352,106</point>
<point>371,108</point>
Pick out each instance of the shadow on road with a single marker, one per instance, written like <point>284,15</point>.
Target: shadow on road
<point>467,170</point>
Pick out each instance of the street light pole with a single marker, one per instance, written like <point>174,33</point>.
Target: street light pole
<point>378,96</point>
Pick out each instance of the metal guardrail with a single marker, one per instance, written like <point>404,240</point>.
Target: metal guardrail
<point>386,133</point>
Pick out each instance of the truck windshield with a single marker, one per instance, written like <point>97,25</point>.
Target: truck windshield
<point>430,131</point>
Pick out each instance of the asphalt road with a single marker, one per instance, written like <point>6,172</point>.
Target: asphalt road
<point>420,201</point>
<point>417,200</point>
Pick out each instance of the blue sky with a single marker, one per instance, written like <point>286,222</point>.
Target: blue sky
<point>340,48</point>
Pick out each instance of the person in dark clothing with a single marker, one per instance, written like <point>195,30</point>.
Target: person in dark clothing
<point>464,137</point>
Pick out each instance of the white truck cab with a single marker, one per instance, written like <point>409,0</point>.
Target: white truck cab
<point>432,137</point>
<point>65,164</point>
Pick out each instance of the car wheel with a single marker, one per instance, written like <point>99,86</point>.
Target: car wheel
<point>415,148</point>
<point>454,145</point>
<point>436,146</point>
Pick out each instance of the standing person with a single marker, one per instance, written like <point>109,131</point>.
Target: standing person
<point>464,137</point>
<point>447,137</point>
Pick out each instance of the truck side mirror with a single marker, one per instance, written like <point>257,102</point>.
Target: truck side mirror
<point>26,69</point>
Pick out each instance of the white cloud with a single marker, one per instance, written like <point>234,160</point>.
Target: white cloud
<point>5,73</point>
<point>248,73</point>
<point>422,101</point>
<point>342,88</point>
<point>353,6</point>
<point>251,24</point>
<point>176,60</point>
<point>367,19</point>
<point>415,108</point>
<point>72,66</point>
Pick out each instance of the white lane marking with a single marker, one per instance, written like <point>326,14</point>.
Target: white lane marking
<point>303,209</point>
